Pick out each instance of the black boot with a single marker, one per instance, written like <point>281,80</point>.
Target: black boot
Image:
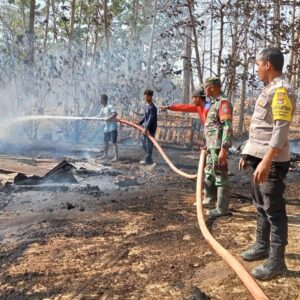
<point>274,266</point>
<point>256,252</point>
<point>261,247</point>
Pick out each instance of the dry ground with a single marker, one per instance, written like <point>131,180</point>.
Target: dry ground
<point>135,242</point>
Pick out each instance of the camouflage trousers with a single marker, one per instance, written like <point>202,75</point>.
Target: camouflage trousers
<point>214,172</point>
<point>216,183</point>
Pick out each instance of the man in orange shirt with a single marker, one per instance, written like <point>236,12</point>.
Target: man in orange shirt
<point>200,105</point>
<point>216,115</point>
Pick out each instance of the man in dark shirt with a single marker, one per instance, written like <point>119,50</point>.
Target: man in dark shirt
<point>149,122</point>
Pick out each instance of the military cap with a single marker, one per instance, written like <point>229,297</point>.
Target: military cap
<point>213,81</point>
<point>199,93</point>
<point>148,92</point>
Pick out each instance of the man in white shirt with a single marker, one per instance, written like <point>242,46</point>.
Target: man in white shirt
<point>109,114</point>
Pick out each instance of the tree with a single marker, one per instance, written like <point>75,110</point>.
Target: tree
<point>31,47</point>
<point>193,25</point>
<point>187,66</point>
<point>46,22</point>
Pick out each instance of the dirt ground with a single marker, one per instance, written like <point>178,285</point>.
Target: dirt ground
<point>135,238</point>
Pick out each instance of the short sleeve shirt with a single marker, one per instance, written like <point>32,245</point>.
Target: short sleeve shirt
<point>270,122</point>
<point>106,112</point>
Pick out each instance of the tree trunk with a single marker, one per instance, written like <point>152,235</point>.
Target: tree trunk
<point>72,22</point>
<point>31,32</point>
<point>46,25</point>
<point>106,24</point>
<point>191,6</point>
<point>151,43</point>
<point>211,39</point>
<point>80,16</point>
<point>192,82</point>
<point>296,80</point>
<point>187,66</point>
<point>221,40</point>
<point>96,31</point>
<point>135,10</point>
<point>243,94</point>
<point>266,11</point>
<point>133,61</point>
<point>231,74</point>
<point>54,20</point>
<point>107,39</point>
<point>23,14</point>
<point>292,56</point>
<point>276,23</point>
<point>245,72</point>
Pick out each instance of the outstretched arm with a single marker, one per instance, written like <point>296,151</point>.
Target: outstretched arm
<point>190,108</point>
<point>164,108</point>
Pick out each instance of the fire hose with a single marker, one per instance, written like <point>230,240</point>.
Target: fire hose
<point>246,278</point>
<point>160,150</point>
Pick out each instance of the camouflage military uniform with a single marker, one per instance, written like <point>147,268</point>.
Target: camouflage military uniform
<point>269,128</point>
<point>218,134</point>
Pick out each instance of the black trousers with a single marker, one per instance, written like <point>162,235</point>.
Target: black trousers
<point>269,201</point>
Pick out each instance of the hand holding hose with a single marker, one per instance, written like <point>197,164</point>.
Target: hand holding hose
<point>164,108</point>
<point>146,131</point>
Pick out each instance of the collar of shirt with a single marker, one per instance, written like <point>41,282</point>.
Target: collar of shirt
<point>275,80</point>
<point>212,99</point>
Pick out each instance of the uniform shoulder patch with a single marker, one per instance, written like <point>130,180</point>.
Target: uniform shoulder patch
<point>281,105</point>
<point>225,110</point>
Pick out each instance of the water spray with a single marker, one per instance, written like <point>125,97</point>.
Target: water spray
<point>65,118</point>
<point>122,121</point>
